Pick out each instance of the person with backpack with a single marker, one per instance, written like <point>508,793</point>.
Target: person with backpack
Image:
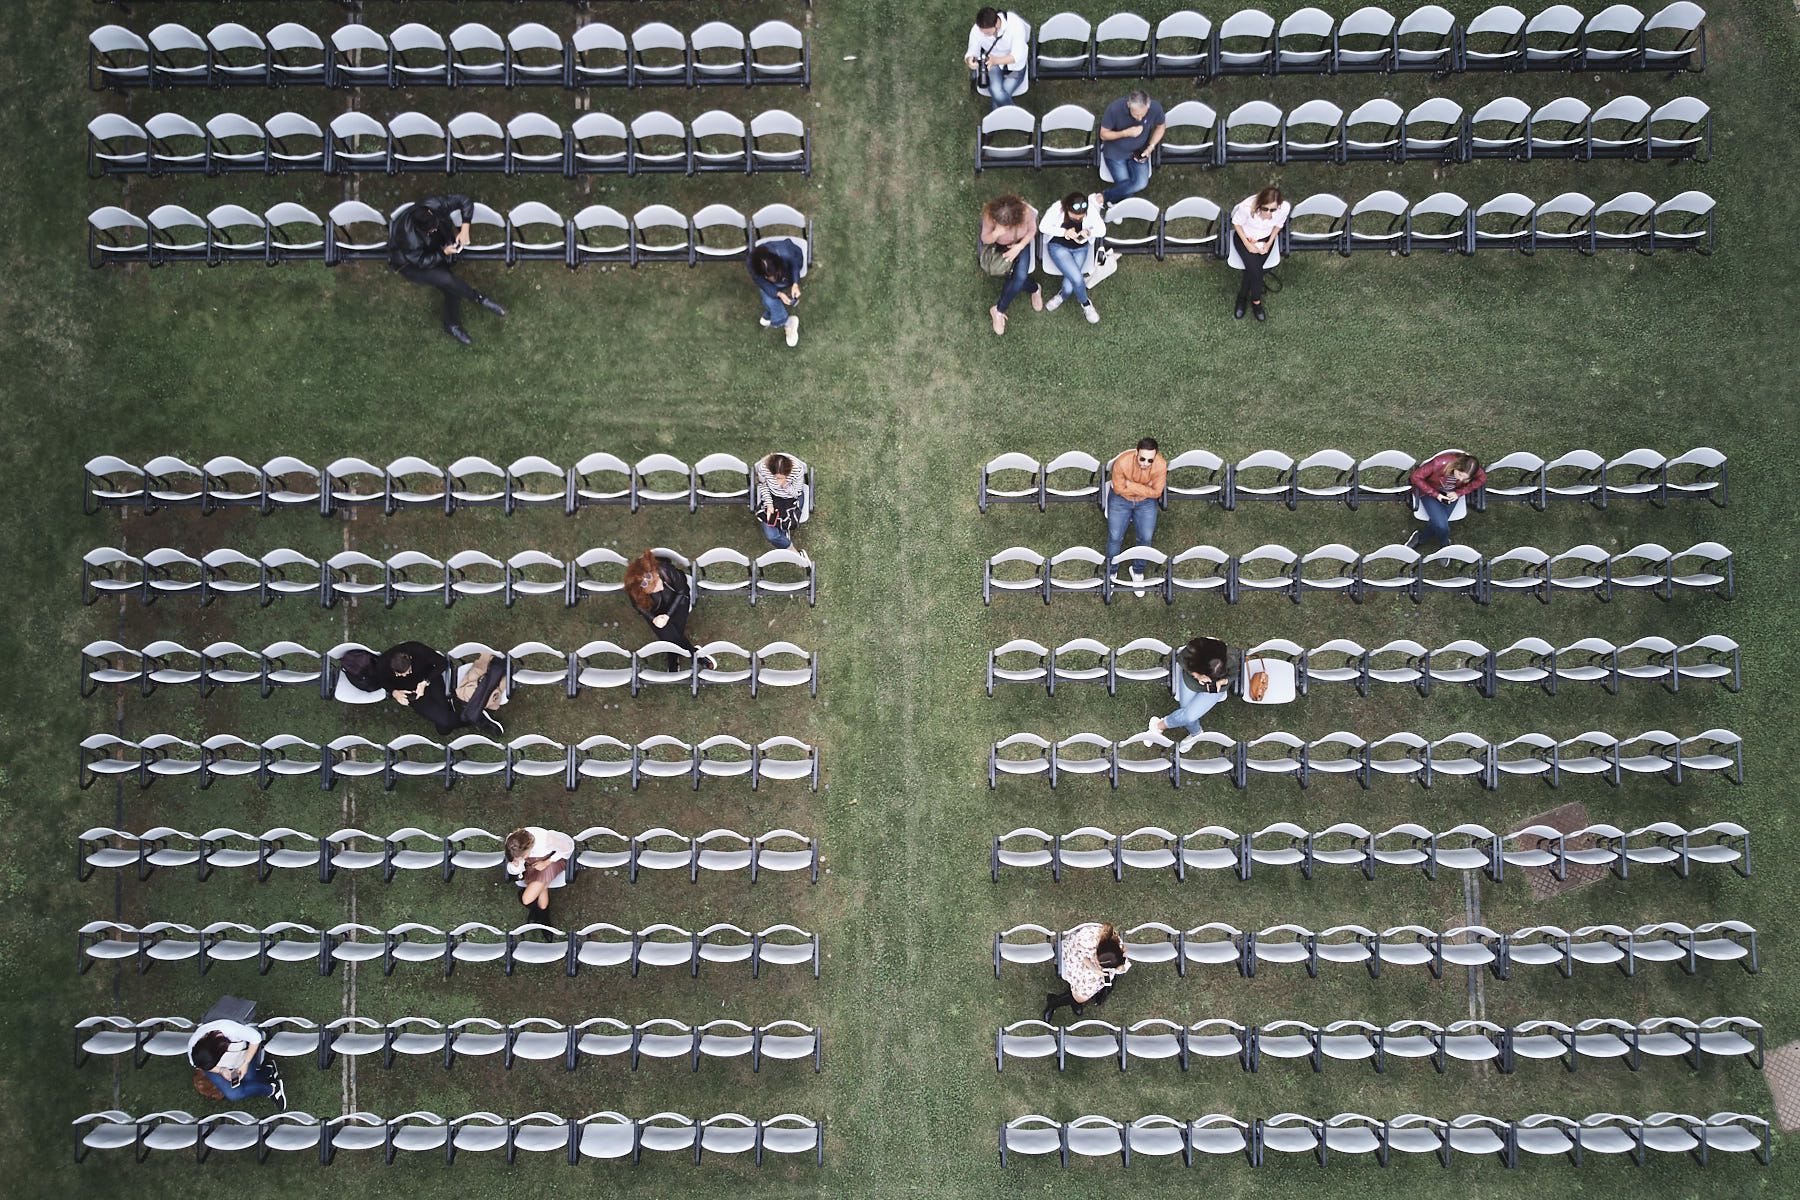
<point>1093,956</point>
<point>231,1059</point>
<point>780,497</point>
<point>423,246</point>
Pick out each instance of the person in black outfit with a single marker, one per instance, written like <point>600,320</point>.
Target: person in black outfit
<point>426,239</point>
<point>660,593</point>
<point>413,674</point>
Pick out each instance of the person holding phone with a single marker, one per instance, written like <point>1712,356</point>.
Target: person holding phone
<point>423,246</point>
<point>660,592</point>
<point>538,858</point>
<point>1131,129</point>
<point>775,268</point>
<point>1202,681</point>
<point>234,1059</point>
<point>1074,228</point>
<point>780,497</point>
<point>998,54</point>
<point>1438,483</point>
<point>1008,225</point>
<point>1093,955</point>
<point>1256,223</point>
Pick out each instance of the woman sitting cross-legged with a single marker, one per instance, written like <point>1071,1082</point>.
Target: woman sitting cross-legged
<point>539,859</point>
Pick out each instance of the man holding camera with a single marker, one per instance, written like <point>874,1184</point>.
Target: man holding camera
<point>1130,131</point>
<point>426,239</point>
<point>999,54</point>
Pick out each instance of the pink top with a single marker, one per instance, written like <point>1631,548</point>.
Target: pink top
<point>1081,968</point>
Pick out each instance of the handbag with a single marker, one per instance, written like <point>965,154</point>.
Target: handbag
<point>993,259</point>
<point>205,1086</point>
<point>1259,683</point>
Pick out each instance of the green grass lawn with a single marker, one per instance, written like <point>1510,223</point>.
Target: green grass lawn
<point>897,392</point>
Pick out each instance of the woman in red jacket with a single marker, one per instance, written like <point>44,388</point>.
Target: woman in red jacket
<point>1438,484</point>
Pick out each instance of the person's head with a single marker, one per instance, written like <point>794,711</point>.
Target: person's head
<point>209,1050</point>
<point>1110,950</point>
<point>643,579</point>
<point>780,465</point>
<point>1267,201</point>
<point>1075,206</point>
<point>1146,451</point>
<point>427,221</point>
<point>1138,102</point>
<point>1462,468</point>
<point>356,663</point>
<point>518,844</point>
<point>768,265</point>
<point>1006,211</point>
<point>987,19</point>
<point>400,663</point>
<point>1205,657</point>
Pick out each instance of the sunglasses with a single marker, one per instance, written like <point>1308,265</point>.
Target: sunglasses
<point>1080,206</point>
<point>1146,459</point>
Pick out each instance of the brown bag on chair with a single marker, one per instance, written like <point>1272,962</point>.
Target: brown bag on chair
<point>205,1086</point>
<point>1259,684</point>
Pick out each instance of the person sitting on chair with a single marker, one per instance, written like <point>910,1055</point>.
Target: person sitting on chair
<point>1092,957</point>
<point>539,859</point>
<point>426,239</point>
<point>1438,484</point>
<point>780,496</point>
<point>1008,226</point>
<point>1075,228</point>
<point>661,594</point>
<point>1202,681</point>
<point>1130,131</point>
<point>1256,223</point>
<point>775,268</point>
<point>997,56</point>
<point>234,1060</point>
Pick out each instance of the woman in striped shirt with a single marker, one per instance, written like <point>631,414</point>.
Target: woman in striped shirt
<point>780,497</point>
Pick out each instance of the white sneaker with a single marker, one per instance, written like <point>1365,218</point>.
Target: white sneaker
<point>1091,313</point>
<point>1188,743</point>
<point>1156,734</point>
<point>1054,303</point>
<point>793,331</point>
<point>764,322</point>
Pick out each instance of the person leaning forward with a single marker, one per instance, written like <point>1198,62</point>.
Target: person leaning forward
<point>426,238</point>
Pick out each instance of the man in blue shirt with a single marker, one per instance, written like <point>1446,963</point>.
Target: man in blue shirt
<point>1130,130</point>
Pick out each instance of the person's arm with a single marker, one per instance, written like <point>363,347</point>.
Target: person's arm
<point>1123,485</point>
<point>1156,137</point>
<point>1473,482</point>
<point>1159,476</point>
<point>972,56</point>
<point>1112,135</point>
<point>1425,479</point>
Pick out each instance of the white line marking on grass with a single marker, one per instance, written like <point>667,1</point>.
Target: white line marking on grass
<point>348,809</point>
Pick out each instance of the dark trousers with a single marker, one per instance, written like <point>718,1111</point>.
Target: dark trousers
<point>1018,280</point>
<point>1251,286</point>
<point>675,631</point>
<point>444,280</point>
<point>1066,999</point>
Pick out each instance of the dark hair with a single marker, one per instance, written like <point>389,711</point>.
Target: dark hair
<point>638,576</point>
<point>1269,197</point>
<point>1205,655</point>
<point>427,220</point>
<point>1109,950</point>
<point>766,263</point>
<point>1149,444</point>
<point>1466,464</point>
<point>400,662</point>
<point>986,16</point>
<point>780,464</point>
<point>209,1050</point>
<point>1070,215</point>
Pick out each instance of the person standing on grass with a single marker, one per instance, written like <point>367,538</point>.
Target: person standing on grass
<point>1092,957</point>
<point>539,859</point>
<point>1255,224</point>
<point>1438,484</point>
<point>1138,479</point>
<point>998,54</point>
<point>233,1058</point>
<point>663,597</point>
<point>426,239</point>
<point>1075,229</point>
<point>780,497</point>
<point>1008,225</point>
<point>775,268</point>
<point>1202,680</point>
<point>1130,131</point>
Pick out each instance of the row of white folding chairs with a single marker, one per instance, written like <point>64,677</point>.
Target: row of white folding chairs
<point>418,850</point>
<point>1599,1039</point>
<point>600,944</point>
<point>1265,1141</point>
<point>601,665</point>
<point>654,142</point>
<point>353,231</point>
<point>1456,756</point>
<point>1336,569</point>
<point>531,483</point>
<point>1437,130</point>
<point>1077,477</point>
<point>1530,661</point>
<point>531,1039</point>
<point>1467,946</point>
<point>1312,41</point>
<point>601,1135</point>
<point>470,756</point>
<point>283,573</point>
<point>654,54</point>
<point>1468,847</point>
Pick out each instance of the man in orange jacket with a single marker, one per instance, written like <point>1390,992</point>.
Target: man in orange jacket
<point>1138,479</point>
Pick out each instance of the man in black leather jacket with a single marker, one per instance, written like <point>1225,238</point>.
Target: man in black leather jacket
<point>424,243</point>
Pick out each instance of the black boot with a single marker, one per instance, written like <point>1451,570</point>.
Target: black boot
<point>1238,311</point>
<point>460,334</point>
<point>491,304</point>
<point>1049,1015</point>
<point>1262,313</point>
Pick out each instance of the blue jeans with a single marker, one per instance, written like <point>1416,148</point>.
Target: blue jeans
<point>1129,177</point>
<point>774,311</point>
<point>1120,512</point>
<point>1437,528</point>
<point>777,538</point>
<point>1018,280</point>
<point>1070,262</point>
<point>1002,83</point>
<point>258,1080</point>
<point>1193,704</point>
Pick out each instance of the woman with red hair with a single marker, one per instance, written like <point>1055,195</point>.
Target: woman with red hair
<point>660,592</point>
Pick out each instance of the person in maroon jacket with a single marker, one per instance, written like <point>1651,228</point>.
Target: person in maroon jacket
<point>1438,483</point>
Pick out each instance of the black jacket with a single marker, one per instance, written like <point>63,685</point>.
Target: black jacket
<point>427,665</point>
<point>419,244</point>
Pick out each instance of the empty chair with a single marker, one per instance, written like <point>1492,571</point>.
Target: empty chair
<point>1365,41</point>
<point>1679,128</point>
<point>1121,45</point>
<point>599,56</point>
<point>1251,132</point>
<point>536,57</point>
<point>1558,129</point>
<point>1192,225</point>
<point>1245,44</point>
<point>1182,45</point>
<point>1321,136</point>
<point>419,55</point>
<point>478,55</point>
<point>659,56</point>
<point>1372,130</point>
<point>659,143</point>
<point>1063,48</point>
<point>1495,40</point>
<point>1306,42</point>
<point>1620,129</point>
<point>1564,222</point>
<point>1675,38</point>
<point>1684,222</point>
<point>779,54</point>
<point>1426,40</point>
<point>1553,38</point>
<point>1318,222</point>
<point>1065,136</point>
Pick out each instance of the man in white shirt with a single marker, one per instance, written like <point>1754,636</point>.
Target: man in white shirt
<point>998,50</point>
